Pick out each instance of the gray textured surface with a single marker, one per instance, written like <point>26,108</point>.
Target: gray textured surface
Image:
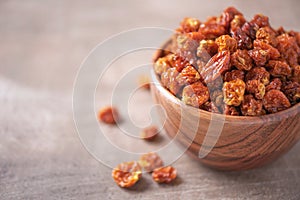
<point>41,157</point>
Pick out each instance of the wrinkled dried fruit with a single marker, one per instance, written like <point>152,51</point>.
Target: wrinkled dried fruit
<point>258,73</point>
<point>233,75</point>
<point>188,76</point>
<point>262,52</point>
<point>206,49</point>
<point>296,74</point>
<point>127,174</point>
<point>226,43</point>
<point>212,30</point>
<point>164,174</point>
<point>256,88</point>
<point>275,101</point>
<point>279,68</point>
<point>260,20</point>
<point>237,22</point>
<point>149,133</point>
<point>250,29</point>
<point>233,92</point>
<point>230,58</point>
<point>108,115</point>
<point>195,94</point>
<point>178,62</point>
<point>292,91</point>
<point>216,66</point>
<point>241,60</point>
<point>243,40</point>
<point>150,161</point>
<point>267,35</point>
<point>287,46</point>
<point>275,84</point>
<point>168,79</point>
<point>161,65</point>
<point>190,24</point>
<point>251,107</point>
<point>228,15</point>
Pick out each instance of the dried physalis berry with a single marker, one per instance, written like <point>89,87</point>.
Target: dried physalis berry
<point>225,42</point>
<point>195,94</point>
<point>149,133</point>
<point>144,82</point>
<point>275,101</point>
<point>206,49</point>
<point>241,60</point>
<point>275,84</point>
<point>256,88</point>
<point>190,25</point>
<point>127,174</point>
<point>251,107</point>
<point>258,73</point>
<point>108,115</point>
<point>234,74</point>
<point>216,66</point>
<point>150,161</point>
<point>279,68</point>
<point>233,92</point>
<point>164,174</point>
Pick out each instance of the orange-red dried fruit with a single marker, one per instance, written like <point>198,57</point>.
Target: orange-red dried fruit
<point>151,161</point>
<point>127,174</point>
<point>212,30</point>
<point>275,84</point>
<point>168,79</point>
<point>237,22</point>
<point>289,49</point>
<point>267,35</point>
<point>109,115</point>
<point>226,43</point>
<point>188,75</point>
<point>161,65</point>
<point>241,60</point>
<point>195,94</point>
<point>228,15</point>
<point>279,68</point>
<point>149,133</point>
<point>164,174</point>
<point>260,20</point>
<point>251,107</point>
<point>258,73</point>
<point>275,101</point>
<point>256,88</point>
<point>189,24</point>
<point>233,75</point>
<point>233,92</point>
<point>292,91</point>
<point>216,66</point>
<point>206,49</point>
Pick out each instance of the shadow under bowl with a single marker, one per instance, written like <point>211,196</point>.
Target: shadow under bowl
<point>227,142</point>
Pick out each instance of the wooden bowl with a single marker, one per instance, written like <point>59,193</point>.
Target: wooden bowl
<point>227,142</point>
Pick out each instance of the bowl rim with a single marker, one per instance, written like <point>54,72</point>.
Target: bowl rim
<point>290,112</point>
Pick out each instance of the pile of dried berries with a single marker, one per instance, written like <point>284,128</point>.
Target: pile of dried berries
<point>232,66</point>
<point>128,173</point>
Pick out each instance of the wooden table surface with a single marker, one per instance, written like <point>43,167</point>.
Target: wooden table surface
<point>41,157</point>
